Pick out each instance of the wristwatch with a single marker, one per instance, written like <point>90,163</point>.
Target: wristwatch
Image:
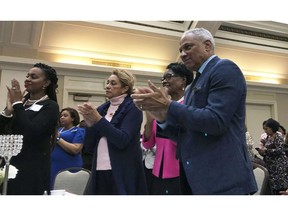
<point>57,139</point>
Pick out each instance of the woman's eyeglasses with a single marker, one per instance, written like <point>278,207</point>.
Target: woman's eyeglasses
<point>168,76</point>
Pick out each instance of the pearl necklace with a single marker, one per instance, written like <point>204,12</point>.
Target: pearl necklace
<point>33,102</point>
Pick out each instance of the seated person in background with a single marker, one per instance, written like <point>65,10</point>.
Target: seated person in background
<point>67,151</point>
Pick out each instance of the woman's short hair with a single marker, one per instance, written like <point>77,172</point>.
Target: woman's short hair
<point>73,113</point>
<point>126,78</point>
<point>273,124</point>
<point>180,69</point>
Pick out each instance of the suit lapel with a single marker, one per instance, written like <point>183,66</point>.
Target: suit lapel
<point>191,89</point>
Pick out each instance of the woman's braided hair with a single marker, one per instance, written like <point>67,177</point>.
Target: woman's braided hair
<point>50,74</point>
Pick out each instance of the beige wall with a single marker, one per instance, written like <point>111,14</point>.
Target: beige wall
<point>252,60</point>
<point>263,103</point>
<point>90,80</point>
<point>257,61</point>
<point>282,104</point>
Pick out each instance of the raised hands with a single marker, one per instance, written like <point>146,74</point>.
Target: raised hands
<point>89,113</point>
<point>153,100</point>
<point>14,92</point>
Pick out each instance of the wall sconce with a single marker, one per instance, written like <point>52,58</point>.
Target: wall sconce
<point>81,97</point>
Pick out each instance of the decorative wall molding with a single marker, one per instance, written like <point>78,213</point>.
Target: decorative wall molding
<point>253,33</point>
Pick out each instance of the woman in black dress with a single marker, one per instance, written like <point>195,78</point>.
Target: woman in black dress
<point>35,116</point>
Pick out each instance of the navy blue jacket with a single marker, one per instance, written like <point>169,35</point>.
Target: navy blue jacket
<point>210,129</point>
<point>123,136</point>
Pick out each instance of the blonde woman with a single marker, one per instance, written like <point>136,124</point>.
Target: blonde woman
<point>113,133</point>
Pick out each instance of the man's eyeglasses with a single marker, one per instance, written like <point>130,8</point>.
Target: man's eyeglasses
<point>168,76</point>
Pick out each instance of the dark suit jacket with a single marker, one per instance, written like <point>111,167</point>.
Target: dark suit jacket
<point>210,130</point>
<point>123,136</point>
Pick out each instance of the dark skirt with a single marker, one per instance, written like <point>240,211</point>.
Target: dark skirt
<point>169,186</point>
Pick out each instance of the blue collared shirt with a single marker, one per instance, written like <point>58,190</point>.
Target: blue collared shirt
<point>203,66</point>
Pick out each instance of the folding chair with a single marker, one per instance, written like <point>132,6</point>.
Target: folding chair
<point>73,180</point>
<point>262,179</point>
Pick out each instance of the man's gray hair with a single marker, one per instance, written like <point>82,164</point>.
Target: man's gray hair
<point>201,34</point>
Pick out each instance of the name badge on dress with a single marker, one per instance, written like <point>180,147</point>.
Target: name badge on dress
<point>36,107</point>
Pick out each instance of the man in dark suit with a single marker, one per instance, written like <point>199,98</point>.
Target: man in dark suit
<point>210,127</point>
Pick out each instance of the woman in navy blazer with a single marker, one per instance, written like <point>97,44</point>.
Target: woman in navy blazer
<point>113,133</point>
<point>210,127</point>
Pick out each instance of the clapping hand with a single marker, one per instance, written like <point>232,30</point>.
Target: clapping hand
<point>89,113</point>
<point>14,94</point>
<point>153,100</point>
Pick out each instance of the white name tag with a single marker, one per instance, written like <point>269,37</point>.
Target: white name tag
<point>36,107</point>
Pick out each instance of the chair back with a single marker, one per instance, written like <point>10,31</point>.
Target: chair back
<point>73,180</point>
<point>262,179</point>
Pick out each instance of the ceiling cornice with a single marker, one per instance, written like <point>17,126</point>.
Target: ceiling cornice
<point>253,33</point>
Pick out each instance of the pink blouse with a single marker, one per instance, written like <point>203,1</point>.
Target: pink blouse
<point>103,159</point>
<point>165,151</point>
